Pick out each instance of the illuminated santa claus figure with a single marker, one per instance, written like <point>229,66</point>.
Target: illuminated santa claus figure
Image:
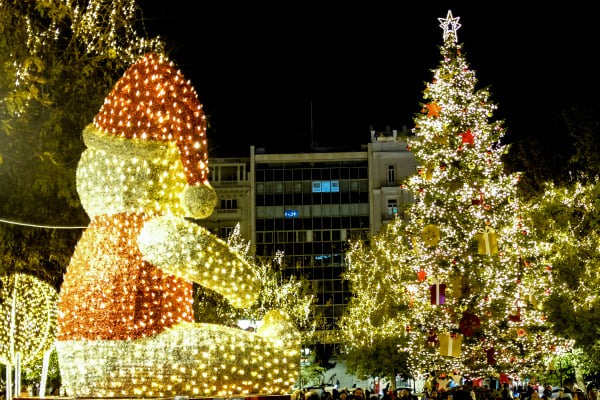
<point>125,311</point>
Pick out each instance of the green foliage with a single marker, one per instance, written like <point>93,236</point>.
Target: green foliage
<point>565,221</point>
<point>583,123</point>
<point>59,60</point>
<point>311,375</point>
<point>379,359</point>
<point>33,374</point>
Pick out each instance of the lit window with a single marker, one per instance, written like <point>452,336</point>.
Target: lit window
<point>326,186</point>
<point>392,207</point>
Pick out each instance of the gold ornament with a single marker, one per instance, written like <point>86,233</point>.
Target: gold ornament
<point>431,235</point>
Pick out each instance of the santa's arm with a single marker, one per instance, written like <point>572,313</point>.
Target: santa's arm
<point>191,252</point>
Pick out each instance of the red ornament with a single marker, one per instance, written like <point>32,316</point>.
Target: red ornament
<point>432,339</point>
<point>408,328</point>
<point>469,323</point>
<point>515,317</point>
<point>489,355</point>
<point>434,109</point>
<point>421,274</point>
<point>478,202</point>
<point>467,137</point>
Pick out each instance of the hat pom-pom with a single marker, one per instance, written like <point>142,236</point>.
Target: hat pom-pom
<point>199,201</point>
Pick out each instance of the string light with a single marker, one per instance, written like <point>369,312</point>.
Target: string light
<point>29,225</point>
<point>29,324</point>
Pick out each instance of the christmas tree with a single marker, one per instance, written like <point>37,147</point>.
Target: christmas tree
<point>471,302</point>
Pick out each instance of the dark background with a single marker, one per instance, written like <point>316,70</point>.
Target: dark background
<point>268,75</point>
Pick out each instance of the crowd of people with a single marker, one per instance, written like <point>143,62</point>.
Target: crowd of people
<point>467,391</point>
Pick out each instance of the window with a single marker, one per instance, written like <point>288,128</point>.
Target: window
<point>229,173</point>
<point>391,173</point>
<point>325,186</point>
<point>300,236</point>
<point>226,231</point>
<point>392,207</point>
<point>229,204</point>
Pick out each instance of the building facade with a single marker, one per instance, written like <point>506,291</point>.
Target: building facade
<point>310,205</point>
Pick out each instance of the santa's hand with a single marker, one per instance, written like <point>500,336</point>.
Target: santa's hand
<point>193,253</point>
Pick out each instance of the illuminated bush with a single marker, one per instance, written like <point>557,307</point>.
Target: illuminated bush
<point>28,323</point>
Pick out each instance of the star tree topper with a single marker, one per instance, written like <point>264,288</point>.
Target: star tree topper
<point>450,25</point>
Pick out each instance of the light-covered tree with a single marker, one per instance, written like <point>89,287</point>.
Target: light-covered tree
<point>59,59</point>
<point>293,295</point>
<point>474,282</point>
<point>566,222</point>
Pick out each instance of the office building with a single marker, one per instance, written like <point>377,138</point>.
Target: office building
<point>309,205</point>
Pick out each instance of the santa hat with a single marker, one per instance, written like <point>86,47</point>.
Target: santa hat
<point>153,102</point>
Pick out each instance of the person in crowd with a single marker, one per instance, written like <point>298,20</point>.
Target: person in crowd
<point>579,395</point>
<point>359,394</point>
<point>343,395</point>
<point>547,393</point>
<point>592,393</point>
<point>321,390</point>
<point>297,395</point>
<point>565,393</point>
<point>507,393</point>
<point>407,395</point>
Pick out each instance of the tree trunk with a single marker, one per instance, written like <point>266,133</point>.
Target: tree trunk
<point>579,378</point>
<point>392,379</point>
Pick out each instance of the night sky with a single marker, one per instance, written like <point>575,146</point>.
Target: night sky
<point>258,69</point>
